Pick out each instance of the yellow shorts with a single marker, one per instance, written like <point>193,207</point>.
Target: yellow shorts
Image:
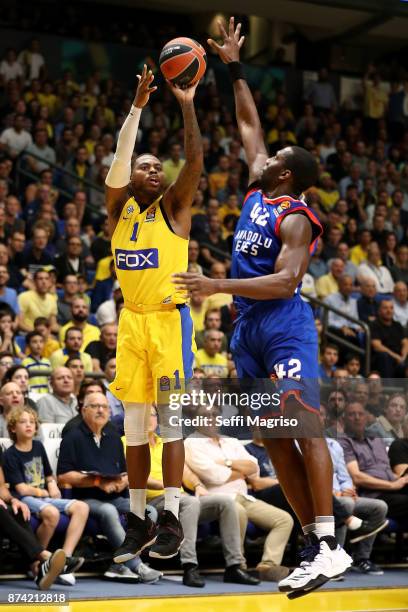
<point>155,353</point>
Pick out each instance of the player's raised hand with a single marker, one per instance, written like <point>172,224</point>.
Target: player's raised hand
<point>144,88</point>
<point>191,281</point>
<point>183,94</point>
<point>232,42</point>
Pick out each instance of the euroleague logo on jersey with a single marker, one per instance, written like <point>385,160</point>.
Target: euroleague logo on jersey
<point>141,259</point>
<point>150,214</point>
<point>282,206</point>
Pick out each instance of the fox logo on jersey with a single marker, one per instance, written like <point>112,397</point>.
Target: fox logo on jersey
<point>136,260</point>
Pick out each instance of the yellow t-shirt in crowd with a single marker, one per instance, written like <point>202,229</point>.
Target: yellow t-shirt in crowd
<point>59,358</point>
<point>171,170</point>
<point>32,306</point>
<point>357,255</point>
<point>198,318</point>
<point>326,285</point>
<point>89,333</point>
<point>212,366</point>
<point>217,301</point>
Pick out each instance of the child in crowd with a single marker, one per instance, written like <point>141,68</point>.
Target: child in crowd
<point>36,361</point>
<point>29,474</point>
<point>42,325</point>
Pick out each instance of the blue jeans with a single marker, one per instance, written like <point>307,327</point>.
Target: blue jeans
<point>107,513</point>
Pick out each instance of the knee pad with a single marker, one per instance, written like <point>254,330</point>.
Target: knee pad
<point>170,425</point>
<point>136,423</point>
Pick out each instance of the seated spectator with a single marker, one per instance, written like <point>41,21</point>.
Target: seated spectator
<point>209,358</point>
<point>79,318</point>
<point>331,242</point>
<point>197,311</point>
<point>6,361</point>
<point>19,375</point>
<point>35,361</point>
<point>193,254</point>
<point>15,525</point>
<point>71,262</point>
<point>329,359</point>
<point>42,325</point>
<point>70,286</point>
<point>40,148</point>
<point>399,271</point>
<point>400,301</point>
<point>11,397</point>
<point>193,510</point>
<point>368,464</point>
<point>101,246</point>
<point>342,300</point>
<point>7,333</point>
<point>117,411</point>
<point>223,465</point>
<point>372,511</point>
<point>217,300</point>
<point>38,302</point>
<point>60,405</point>
<point>8,295</point>
<point>29,474</point>
<point>343,252</point>
<point>15,139</point>
<point>77,368</point>
<point>212,320</point>
<point>336,403</point>
<point>173,164</point>
<point>72,348</point>
<point>353,366</point>
<point>389,343</point>
<point>87,386</point>
<point>367,304</point>
<point>373,269</point>
<point>108,311</point>
<point>93,448</point>
<point>317,265</point>
<point>328,283</point>
<point>398,455</point>
<point>389,425</point>
<point>37,256</point>
<point>210,239</point>
<point>359,252</point>
<point>102,350</point>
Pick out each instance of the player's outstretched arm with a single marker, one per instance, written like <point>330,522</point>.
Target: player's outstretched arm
<point>247,114</point>
<point>291,265</point>
<point>118,177</point>
<point>179,197</point>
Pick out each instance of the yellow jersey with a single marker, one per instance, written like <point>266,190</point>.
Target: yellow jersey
<point>146,253</point>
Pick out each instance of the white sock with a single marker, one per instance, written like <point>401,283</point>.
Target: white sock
<point>138,502</point>
<point>354,523</point>
<point>324,526</point>
<point>308,528</point>
<point>172,500</point>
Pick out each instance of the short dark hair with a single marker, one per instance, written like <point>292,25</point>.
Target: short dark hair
<point>71,329</point>
<point>31,335</point>
<point>303,167</point>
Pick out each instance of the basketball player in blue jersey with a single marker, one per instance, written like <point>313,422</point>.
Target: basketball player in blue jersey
<point>275,335</point>
<point>150,227</point>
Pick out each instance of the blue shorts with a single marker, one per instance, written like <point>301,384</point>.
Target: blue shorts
<point>278,340</point>
<point>36,504</point>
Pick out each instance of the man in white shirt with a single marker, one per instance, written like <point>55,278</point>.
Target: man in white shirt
<point>372,268</point>
<point>224,466</point>
<point>32,61</point>
<point>400,301</point>
<point>40,148</point>
<point>15,139</point>
<point>10,68</point>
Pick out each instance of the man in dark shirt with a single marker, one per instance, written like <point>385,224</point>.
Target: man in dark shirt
<point>389,343</point>
<point>92,461</point>
<point>37,256</point>
<point>368,464</point>
<point>398,454</point>
<point>367,304</point>
<point>213,247</point>
<point>72,262</point>
<point>104,349</point>
<point>101,246</point>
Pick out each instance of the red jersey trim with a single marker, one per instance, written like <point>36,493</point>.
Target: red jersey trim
<point>250,192</point>
<point>311,216</point>
<point>280,199</point>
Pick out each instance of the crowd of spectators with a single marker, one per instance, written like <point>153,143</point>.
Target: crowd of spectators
<point>60,303</point>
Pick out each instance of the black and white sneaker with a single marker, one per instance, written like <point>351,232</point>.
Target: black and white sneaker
<point>139,535</point>
<point>170,536</point>
<point>330,561</point>
<point>367,529</point>
<point>50,569</point>
<point>365,566</point>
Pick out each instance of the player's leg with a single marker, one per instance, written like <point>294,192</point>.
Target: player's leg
<point>131,385</point>
<point>171,361</point>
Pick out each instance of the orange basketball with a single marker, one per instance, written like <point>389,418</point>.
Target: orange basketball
<point>183,61</point>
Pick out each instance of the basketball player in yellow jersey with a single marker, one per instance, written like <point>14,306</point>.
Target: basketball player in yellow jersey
<point>150,228</point>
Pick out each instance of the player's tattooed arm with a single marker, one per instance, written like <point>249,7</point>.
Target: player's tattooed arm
<point>178,198</point>
<point>248,120</point>
<point>291,265</point>
<point>118,178</point>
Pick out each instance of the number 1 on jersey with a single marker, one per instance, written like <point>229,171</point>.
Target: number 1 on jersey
<point>134,232</point>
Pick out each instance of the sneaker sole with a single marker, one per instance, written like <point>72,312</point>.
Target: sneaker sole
<point>156,555</point>
<point>368,535</point>
<point>315,584</point>
<point>116,578</point>
<point>129,556</point>
<point>56,567</point>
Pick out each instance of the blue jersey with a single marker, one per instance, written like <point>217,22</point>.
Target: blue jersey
<point>257,242</point>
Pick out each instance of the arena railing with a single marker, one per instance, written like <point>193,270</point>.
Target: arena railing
<point>327,334</point>
<point>22,170</point>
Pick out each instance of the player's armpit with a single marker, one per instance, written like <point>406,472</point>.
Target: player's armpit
<point>115,199</point>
